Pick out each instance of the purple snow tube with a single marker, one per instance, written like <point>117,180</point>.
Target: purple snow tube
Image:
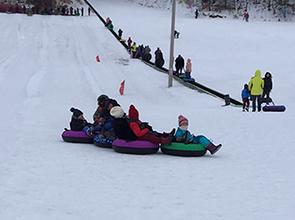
<point>135,147</point>
<point>77,137</point>
<point>274,108</point>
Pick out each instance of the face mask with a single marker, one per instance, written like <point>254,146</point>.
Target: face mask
<point>184,128</point>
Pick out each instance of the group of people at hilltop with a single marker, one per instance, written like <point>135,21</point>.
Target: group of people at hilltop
<point>35,9</point>
<point>257,89</point>
<point>144,52</point>
<point>140,51</point>
<point>111,122</point>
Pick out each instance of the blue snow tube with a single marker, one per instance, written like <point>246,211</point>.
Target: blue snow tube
<point>102,143</point>
<point>189,80</point>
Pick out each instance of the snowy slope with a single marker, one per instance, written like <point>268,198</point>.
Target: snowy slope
<point>47,65</point>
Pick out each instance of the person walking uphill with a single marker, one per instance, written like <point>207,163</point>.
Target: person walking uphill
<point>133,50</point>
<point>129,41</point>
<point>256,85</point>
<point>159,60</point>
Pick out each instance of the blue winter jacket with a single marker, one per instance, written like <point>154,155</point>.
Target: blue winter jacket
<point>245,93</point>
<point>179,135</point>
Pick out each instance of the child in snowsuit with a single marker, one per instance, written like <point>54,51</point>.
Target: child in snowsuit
<point>183,135</point>
<point>188,69</point>
<point>108,22</point>
<point>129,41</point>
<point>245,98</point>
<point>78,122</point>
<point>142,131</point>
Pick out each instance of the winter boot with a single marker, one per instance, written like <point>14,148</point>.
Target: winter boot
<point>166,140</point>
<point>89,132</point>
<point>102,137</point>
<point>170,133</point>
<point>212,148</point>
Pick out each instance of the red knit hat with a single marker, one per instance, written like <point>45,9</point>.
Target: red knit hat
<point>133,113</point>
<point>182,120</point>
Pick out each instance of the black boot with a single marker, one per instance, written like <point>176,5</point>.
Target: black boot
<point>212,148</point>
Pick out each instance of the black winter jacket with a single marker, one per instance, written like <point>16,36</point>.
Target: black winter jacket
<point>267,84</point>
<point>78,124</point>
<point>179,62</point>
<point>123,130</point>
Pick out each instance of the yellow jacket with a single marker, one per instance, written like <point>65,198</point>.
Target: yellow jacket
<point>256,84</point>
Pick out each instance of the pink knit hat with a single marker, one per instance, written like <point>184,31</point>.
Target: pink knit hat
<point>182,120</point>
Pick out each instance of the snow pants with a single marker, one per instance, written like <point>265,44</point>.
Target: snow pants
<point>201,139</point>
<point>254,98</point>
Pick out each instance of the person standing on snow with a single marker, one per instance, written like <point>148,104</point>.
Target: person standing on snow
<point>256,85</point>
<point>133,50</point>
<point>159,60</point>
<point>196,13</point>
<point>247,17</point>
<point>179,64</point>
<point>267,87</point>
<point>129,41</point>
<point>245,97</point>
<point>244,15</point>
<point>188,69</point>
<point>120,32</point>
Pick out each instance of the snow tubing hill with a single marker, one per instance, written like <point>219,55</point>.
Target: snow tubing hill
<point>181,149</point>
<point>77,137</point>
<point>135,147</point>
<point>100,143</point>
<point>274,108</point>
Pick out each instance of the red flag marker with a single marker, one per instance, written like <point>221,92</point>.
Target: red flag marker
<point>97,58</point>
<point>121,90</point>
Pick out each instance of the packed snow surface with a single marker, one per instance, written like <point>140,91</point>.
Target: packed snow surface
<point>48,65</point>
